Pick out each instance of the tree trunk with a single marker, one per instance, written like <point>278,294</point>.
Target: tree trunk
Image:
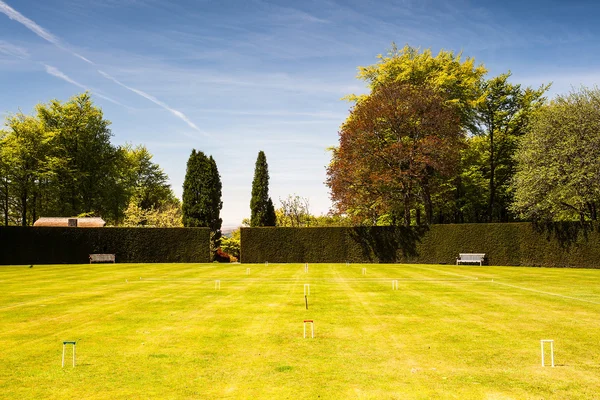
<point>406,210</point>
<point>34,209</point>
<point>428,206</point>
<point>458,215</point>
<point>6,199</point>
<point>492,173</point>
<point>427,199</point>
<point>24,210</point>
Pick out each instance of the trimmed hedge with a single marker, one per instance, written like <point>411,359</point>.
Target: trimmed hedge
<point>552,245</point>
<point>54,245</point>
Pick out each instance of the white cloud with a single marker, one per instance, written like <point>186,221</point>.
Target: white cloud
<point>153,99</point>
<point>35,28</point>
<point>44,34</point>
<point>12,50</point>
<point>59,74</point>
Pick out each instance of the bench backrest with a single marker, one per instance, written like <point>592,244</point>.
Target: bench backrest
<point>102,257</point>
<point>471,256</point>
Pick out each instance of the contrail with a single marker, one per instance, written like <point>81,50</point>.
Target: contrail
<point>35,28</point>
<point>59,74</point>
<point>153,99</point>
<point>44,34</point>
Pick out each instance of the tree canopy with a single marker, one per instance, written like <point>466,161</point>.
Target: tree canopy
<point>558,170</point>
<point>392,145</point>
<point>202,195</point>
<point>60,162</point>
<point>455,79</point>
<point>462,167</point>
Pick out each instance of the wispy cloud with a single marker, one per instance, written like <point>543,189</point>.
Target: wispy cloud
<point>59,74</point>
<point>12,50</point>
<point>44,34</point>
<point>35,28</point>
<point>38,30</point>
<point>153,99</point>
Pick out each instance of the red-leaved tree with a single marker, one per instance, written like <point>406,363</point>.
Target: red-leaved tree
<point>397,142</point>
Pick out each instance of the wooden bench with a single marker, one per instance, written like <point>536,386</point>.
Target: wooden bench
<point>471,258</point>
<point>102,258</point>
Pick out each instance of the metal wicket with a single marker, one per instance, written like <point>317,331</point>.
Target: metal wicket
<point>312,327</point>
<point>65,343</point>
<point>551,350</point>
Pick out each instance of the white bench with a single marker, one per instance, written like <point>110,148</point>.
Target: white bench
<point>102,258</point>
<point>471,258</point>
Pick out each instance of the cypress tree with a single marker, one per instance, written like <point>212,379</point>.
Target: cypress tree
<point>216,204</point>
<point>202,195</point>
<point>262,211</point>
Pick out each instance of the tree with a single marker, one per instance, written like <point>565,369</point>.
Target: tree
<point>202,195</point>
<point>456,80</point>
<point>83,157</point>
<point>166,216</point>
<point>295,211</point>
<point>393,145</point>
<point>504,111</point>
<point>24,153</point>
<point>139,181</point>
<point>456,84</point>
<point>558,161</point>
<point>60,162</point>
<point>4,180</point>
<point>232,244</point>
<point>262,211</point>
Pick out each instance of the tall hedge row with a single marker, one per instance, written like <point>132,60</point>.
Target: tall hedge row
<point>556,245</point>
<point>45,245</point>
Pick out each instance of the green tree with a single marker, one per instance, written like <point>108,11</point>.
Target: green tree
<point>202,195</point>
<point>262,211</point>
<point>232,244</point>
<point>166,216</point>
<point>4,180</point>
<point>294,211</point>
<point>60,162</point>
<point>455,79</point>
<point>149,182</point>
<point>558,160</point>
<point>84,159</point>
<point>25,158</point>
<point>503,112</point>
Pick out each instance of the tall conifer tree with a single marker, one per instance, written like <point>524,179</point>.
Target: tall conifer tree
<point>202,195</point>
<point>216,204</point>
<point>261,205</point>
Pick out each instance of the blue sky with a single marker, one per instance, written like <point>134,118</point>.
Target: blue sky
<point>231,78</point>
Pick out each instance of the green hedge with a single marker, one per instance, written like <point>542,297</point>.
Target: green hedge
<point>555,245</point>
<point>45,245</point>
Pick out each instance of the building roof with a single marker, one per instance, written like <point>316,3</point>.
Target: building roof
<point>81,222</point>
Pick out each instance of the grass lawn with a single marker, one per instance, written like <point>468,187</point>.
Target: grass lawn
<point>160,331</point>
